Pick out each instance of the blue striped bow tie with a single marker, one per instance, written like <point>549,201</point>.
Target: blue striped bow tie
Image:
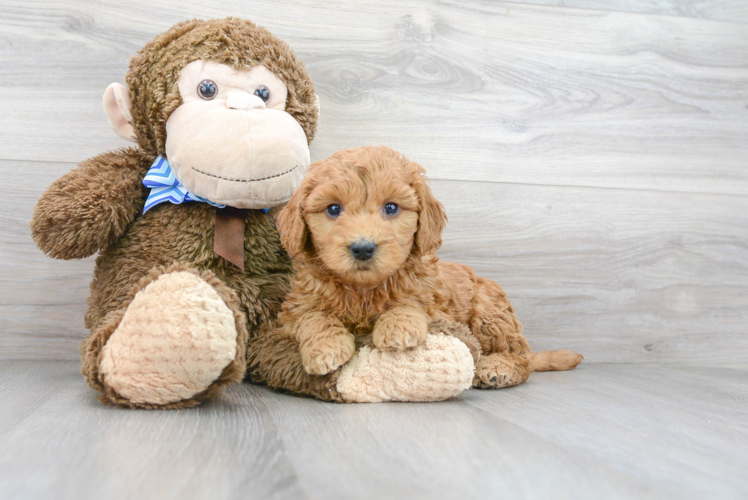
<point>165,187</point>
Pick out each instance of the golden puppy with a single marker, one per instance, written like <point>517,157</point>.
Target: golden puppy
<point>364,228</point>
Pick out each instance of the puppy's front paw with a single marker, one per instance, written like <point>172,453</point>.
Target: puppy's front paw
<point>400,330</point>
<point>327,354</point>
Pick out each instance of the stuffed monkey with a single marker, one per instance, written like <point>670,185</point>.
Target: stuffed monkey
<point>190,265</point>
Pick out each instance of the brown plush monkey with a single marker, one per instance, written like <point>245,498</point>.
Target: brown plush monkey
<point>190,264</point>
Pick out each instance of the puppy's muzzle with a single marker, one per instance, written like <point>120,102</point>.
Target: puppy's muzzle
<point>363,249</point>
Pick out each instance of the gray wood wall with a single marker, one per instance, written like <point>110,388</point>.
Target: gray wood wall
<point>592,155</point>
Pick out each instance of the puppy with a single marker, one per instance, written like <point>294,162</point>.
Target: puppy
<point>364,228</point>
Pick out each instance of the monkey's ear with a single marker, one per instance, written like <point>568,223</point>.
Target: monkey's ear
<point>316,103</point>
<point>117,108</point>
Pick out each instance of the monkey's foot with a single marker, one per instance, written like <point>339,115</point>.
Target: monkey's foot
<point>439,369</point>
<point>178,341</point>
<point>496,371</point>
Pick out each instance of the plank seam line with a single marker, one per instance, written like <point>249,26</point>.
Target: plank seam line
<point>73,163</point>
<point>434,178</point>
<point>649,190</point>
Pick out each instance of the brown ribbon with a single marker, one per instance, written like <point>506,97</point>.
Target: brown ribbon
<point>228,238</point>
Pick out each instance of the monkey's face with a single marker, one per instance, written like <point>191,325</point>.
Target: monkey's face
<point>229,105</point>
<point>231,141</point>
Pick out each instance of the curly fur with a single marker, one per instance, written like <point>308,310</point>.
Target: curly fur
<point>98,206</point>
<point>335,297</point>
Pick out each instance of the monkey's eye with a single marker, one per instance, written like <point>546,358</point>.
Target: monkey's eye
<point>333,210</point>
<point>207,89</point>
<point>263,93</point>
<point>391,209</point>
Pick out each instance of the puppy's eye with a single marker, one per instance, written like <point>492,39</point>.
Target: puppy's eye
<point>391,209</point>
<point>207,89</point>
<point>333,210</point>
<point>263,93</point>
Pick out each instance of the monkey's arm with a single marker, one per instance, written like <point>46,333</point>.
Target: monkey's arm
<point>275,359</point>
<point>88,208</point>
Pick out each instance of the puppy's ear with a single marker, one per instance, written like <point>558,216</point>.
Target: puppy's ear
<point>431,215</point>
<point>291,224</point>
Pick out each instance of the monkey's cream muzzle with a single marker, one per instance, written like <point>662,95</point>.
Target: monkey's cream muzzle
<point>237,152</point>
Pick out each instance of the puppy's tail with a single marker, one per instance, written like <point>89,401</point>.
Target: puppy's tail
<point>547,361</point>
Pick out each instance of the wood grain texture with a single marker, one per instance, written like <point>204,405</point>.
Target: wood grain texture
<point>592,162</point>
<point>601,431</point>
<point>42,300</point>
<point>478,90</point>
<point>619,275</point>
<point>724,10</point>
<point>128,454</point>
<point>646,276</point>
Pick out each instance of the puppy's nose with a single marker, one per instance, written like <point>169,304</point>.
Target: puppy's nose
<point>363,249</point>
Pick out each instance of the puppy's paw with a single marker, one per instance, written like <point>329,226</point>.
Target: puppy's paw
<point>327,354</point>
<point>496,372</point>
<point>400,329</point>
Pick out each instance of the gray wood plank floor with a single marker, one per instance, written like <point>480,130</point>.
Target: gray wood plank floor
<point>592,160</point>
<point>601,431</point>
<point>619,275</point>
